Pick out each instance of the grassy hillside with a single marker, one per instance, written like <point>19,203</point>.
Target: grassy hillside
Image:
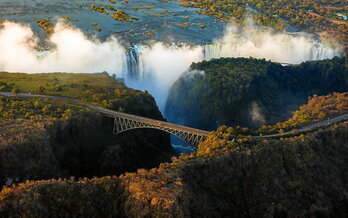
<point>97,88</point>
<point>46,138</point>
<point>301,176</point>
<point>250,92</point>
<point>72,83</point>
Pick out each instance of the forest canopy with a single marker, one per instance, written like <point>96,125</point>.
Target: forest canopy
<point>250,92</point>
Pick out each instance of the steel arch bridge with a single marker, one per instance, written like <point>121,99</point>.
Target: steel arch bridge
<point>189,135</point>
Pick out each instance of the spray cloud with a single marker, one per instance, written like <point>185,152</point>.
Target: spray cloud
<point>164,65</point>
<point>72,51</point>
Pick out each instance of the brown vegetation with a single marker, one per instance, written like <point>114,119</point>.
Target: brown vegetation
<point>120,15</point>
<point>99,8</point>
<point>45,24</point>
<point>318,108</point>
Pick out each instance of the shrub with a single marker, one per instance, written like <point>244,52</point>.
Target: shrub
<point>15,91</point>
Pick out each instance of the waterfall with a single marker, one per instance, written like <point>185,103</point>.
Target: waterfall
<point>135,69</point>
<point>212,51</point>
<point>132,60</point>
<point>283,53</point>
<point>320,52</point>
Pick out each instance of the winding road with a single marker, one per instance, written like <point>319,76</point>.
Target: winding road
<point>308,128</point>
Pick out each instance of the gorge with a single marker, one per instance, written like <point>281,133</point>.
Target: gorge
<point>90,92</point>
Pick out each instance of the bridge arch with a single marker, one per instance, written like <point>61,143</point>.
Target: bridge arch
<point>122,124</point>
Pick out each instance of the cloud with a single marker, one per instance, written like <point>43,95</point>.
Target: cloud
<point>256,114</point>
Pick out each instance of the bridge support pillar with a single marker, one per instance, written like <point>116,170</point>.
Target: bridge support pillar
<point>114,130</point>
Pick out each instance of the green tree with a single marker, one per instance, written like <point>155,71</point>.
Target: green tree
<point>58,88</point>
<point>41,89</point>
<point>15,91</point>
